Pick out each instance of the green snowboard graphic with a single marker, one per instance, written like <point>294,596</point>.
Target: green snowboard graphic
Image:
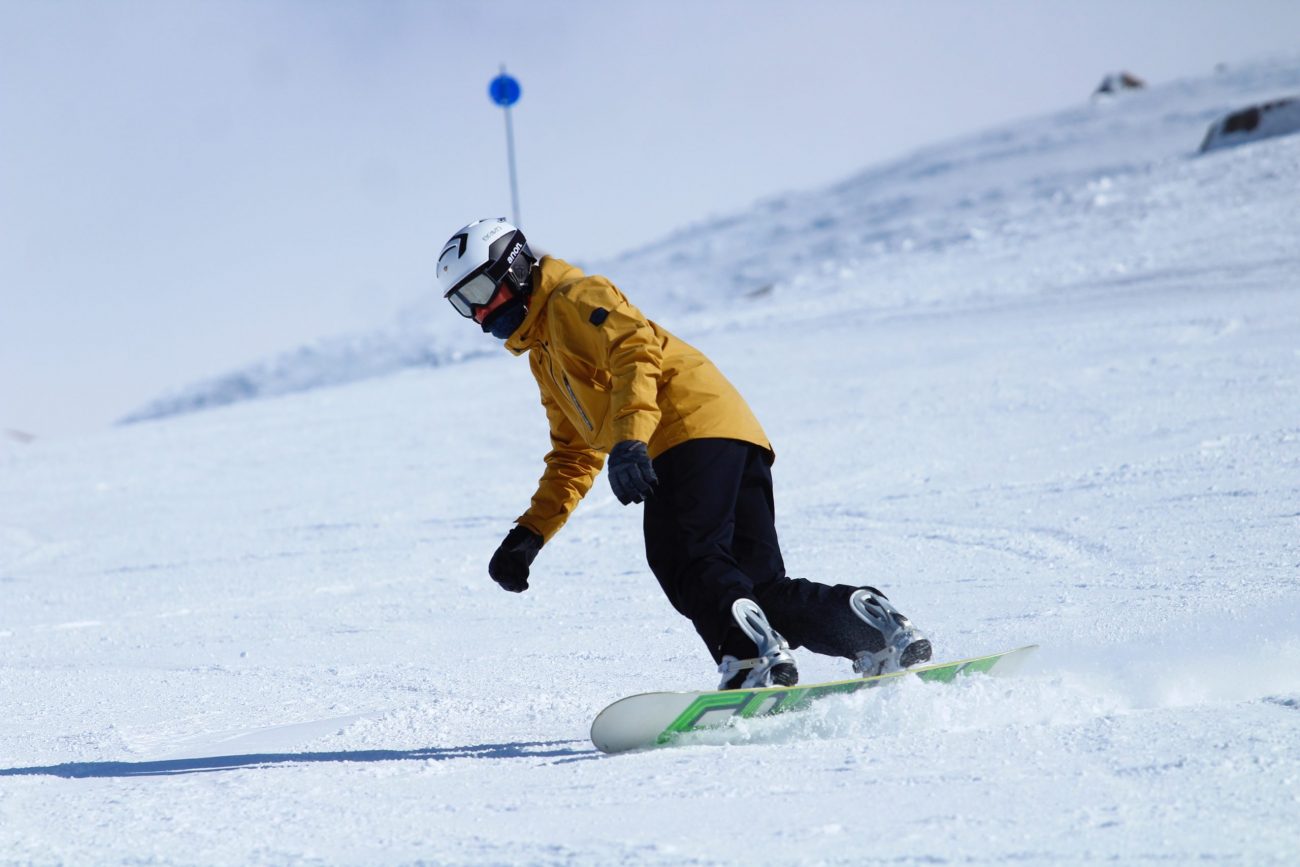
<point>655,718</point>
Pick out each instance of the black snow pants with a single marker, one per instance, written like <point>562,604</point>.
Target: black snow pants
<point>710,538</point>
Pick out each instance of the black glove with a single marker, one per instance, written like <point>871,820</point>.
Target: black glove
<point>631,474</point>
<point>509,565</point>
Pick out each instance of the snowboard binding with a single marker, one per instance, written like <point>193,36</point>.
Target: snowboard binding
<point>773,666</point>
<point>904,645</point>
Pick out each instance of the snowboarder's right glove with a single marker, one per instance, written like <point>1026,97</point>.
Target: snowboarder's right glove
<point>509,565</point>
<point>631,474</point>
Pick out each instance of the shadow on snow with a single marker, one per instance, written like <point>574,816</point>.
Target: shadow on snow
<point>558,750</point>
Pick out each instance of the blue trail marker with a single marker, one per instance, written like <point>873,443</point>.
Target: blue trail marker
<point>504,91</point>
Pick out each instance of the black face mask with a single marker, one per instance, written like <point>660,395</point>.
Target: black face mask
<point>506,319</point>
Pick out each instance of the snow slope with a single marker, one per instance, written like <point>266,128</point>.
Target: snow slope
<point>989,195</point>
<point>1040,385</point>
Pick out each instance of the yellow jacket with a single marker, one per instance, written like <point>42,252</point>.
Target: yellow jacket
<point>608,374</point>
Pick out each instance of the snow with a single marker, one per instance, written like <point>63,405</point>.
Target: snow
<point>1038,384</point>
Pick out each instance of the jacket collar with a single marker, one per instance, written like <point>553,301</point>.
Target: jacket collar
<point>550,274</point>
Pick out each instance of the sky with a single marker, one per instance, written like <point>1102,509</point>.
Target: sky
<point>186,187</point>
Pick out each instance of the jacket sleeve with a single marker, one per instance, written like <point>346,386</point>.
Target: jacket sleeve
<point>571,468</point>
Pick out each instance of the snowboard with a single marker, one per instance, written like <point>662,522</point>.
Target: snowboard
<point>657,718</point>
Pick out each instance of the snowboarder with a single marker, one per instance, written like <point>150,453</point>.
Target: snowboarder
<point>681,440</point>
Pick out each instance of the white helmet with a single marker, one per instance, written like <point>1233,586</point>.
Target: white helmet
<point>484,260</point>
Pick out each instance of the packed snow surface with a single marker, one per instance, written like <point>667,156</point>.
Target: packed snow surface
<point>1041,385</point>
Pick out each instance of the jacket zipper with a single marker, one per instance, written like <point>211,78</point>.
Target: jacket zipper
<point>573,397</point>
<point>550,363</point>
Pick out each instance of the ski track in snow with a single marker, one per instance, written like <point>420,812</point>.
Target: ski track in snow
<point>1044,391</point>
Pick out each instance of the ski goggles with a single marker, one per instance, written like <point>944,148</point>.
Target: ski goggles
<point>472,295</point>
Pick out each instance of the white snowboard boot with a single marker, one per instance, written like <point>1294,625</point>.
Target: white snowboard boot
<point>773,666</point>
<point>904,645</point>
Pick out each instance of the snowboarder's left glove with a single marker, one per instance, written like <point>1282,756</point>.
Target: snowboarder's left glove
<point>509,565</point>
<point>631,474</point>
